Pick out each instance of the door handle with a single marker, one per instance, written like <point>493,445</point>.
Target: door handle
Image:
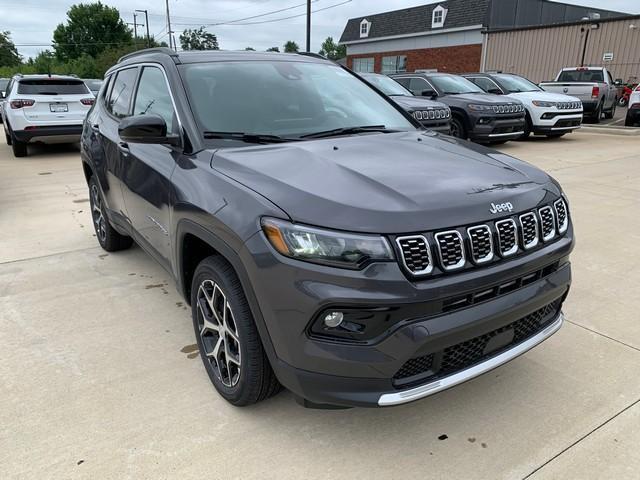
<point>124,148</point>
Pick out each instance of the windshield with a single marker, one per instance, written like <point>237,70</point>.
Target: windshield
<point>453,84</point>
<point>516,84</point>
<point>581,76</point>
<point>387,85</point>
<point>284,98</point>
<point>52,87</point>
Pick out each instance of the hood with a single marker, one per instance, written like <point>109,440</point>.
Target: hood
<point>416,103</point>
<point>386,183</point>
<point>487,98</point>
<point>527,97</point>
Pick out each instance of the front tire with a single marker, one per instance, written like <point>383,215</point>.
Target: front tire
<point>611,113</point>
<point>597,115</point>
<point>228,340</point>
<point>109,239</point>
<point>458,129</point>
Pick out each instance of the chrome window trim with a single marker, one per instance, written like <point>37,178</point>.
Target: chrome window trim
<point>537,238</point>
<point>553,223</point>
<point>406,396</point>
<point>488,257</point>
<point>424,271</point>
<point>565,226</point>
<point>513,250</point>
<point>462,261</point>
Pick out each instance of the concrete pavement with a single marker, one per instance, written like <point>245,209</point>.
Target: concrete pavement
<point>98,377</point>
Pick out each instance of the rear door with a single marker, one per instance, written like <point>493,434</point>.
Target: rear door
<point>57,101</point>
<point>148,168</point>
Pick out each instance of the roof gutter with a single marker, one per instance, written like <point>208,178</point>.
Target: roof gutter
<point>409,35</point>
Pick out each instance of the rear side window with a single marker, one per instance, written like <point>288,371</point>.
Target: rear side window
<point>419,85</point>
<point>581,76</point>
<point>119,101</point>
<point>153,97</point>
<point>485,84</point>
<point>52,87</point>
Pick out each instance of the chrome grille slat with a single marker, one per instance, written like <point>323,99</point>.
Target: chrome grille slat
<point>561,215</point>
<point>450,249</point>
<point>481,241</point>
<point>416,254</point>
<point>507,237</point>
<point>529,230</point>
<point>547,223</point>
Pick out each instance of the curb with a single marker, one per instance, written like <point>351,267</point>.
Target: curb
<point>606,130</point>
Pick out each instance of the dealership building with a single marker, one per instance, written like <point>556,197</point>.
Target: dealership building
<point>532,37</point>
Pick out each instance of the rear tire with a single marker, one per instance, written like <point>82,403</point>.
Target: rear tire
<point>19,148</point>
<point>228,340</point>
<point>527,127</point>
<point>597,115</point>
<point>612,112</point>
<point>7,137</point>
<point>458,129</point>
<point>109,239</point>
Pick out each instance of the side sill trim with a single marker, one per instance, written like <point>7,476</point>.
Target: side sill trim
<point>427,389</point>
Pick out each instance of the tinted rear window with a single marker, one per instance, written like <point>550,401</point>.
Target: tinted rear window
<point>581,76</point>
<point>52,87</point>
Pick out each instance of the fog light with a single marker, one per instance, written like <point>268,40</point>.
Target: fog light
<point>333,319</point>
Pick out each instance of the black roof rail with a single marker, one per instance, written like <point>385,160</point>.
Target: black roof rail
<point>165,50</point>
<point>312,54</point>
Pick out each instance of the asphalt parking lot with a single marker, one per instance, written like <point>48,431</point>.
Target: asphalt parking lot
<point>99,376</point>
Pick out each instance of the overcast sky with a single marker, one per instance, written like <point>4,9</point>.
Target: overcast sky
<point>33,21</point>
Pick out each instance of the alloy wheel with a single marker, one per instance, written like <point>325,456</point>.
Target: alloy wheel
<point>218,333</point>
<point>97,214</point>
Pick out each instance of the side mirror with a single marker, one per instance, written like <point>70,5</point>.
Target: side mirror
<point>618,82</point>
<point>428,93</point>
<point>149,128</point>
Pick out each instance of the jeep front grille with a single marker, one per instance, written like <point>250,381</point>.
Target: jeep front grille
<point>507,237</point>
<point>481,240</point>
<point>450,249</point>
<point>416,254</point>
<point>529,230</point>
<point>561,215</point>
<point>547,223</point>
<point>483,243</point>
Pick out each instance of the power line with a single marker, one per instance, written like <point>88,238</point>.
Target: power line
<point>290,17</point>
<point>227,22</point>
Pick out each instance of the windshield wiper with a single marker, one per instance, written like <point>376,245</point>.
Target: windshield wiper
<point>349,131</point>
<point>248,137</point>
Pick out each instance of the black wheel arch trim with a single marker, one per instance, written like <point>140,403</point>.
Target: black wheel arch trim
<point>187,226</point>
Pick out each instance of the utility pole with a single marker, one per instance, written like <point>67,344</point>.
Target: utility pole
<point>169,27</point>
<point>135,28</point>
<point>308,26</point>
<point>146,21</point>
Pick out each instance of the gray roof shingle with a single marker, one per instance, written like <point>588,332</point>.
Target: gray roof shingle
<point>461,13</point>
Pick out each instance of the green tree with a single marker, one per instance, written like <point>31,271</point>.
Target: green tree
<point>273,49</point>
<point>9,56</point>
<point>332,50</point>
<point>291,47</point>
<point>91,29</point>
<point>198,39</point>
<point>250,49</point>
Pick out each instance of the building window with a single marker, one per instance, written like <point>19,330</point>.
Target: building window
<point>364,65</point>
<point>365,25</point>
<point>438,17</point>
<point>395,64</point>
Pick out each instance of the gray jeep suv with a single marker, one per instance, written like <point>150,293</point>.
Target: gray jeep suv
<point>324,240</point>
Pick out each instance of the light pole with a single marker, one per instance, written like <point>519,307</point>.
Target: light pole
<point>308,26</point>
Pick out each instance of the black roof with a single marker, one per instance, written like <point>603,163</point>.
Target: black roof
<point>492,14</point>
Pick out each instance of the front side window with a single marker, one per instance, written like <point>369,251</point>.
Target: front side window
<point>486,84</point>
<point>419,85</point>
<point>119,100</point>
<point>394,64</point>
<point>288,99</point>
<point>364,65</point>
<point>454,85</point>
<point>153,97</point>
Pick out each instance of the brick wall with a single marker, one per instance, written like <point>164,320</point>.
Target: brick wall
<point>458,59</point>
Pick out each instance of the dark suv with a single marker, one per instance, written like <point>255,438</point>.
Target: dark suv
<point>323,239</point>
<point>478,116</point>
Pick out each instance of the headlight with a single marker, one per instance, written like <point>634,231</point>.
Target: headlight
<point>327,247</point>
<point>481,108</point>
<point>541,103</point>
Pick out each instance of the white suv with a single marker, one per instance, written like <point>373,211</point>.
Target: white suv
<point>550,114</point>
<point>44,108</point>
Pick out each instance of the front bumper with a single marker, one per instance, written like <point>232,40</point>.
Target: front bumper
<point>336,372</point>
<point>633,116</point>
<point>556,121</point>
<point>46,133</point>
<point>486,128</point>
